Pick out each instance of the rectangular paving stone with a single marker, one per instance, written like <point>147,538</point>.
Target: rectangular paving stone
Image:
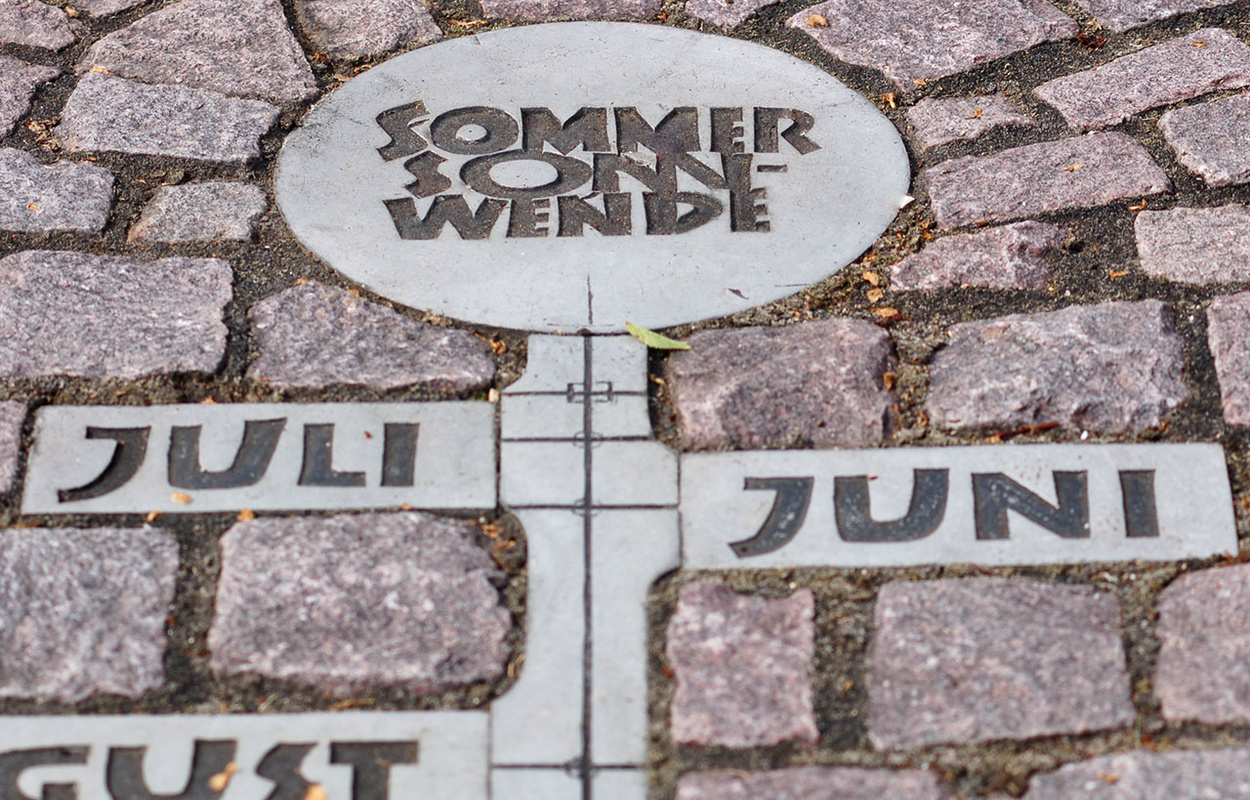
<point>107,114</point>
<point>351,603</point>
<point>529,783</point>
<point>1181,69</point>
<point>64,313</point>
<point>1013,256</point>
<point>1148,775</point>
<point>978,659</point>
<point>201,212</point>
<point>554,416</point>
<point>1123,15</point>
<point>364,28</point>
<point>935,122</point>
<point>1082,172</point>
<point>1228,336</point>
<point>35,23</point>
<point>727,14</point>
<point>312,753</point>
<point>547,10</point>
<point>225,457</point>
<point>1209,139</point>
<point>18,83</point>
<point>82,612</point>
<point>65,196</point>
<point>12,417</point>
<point>915,40</point>
<point>908,507</point>
<point>1199,246</point>
<point>811,783</point>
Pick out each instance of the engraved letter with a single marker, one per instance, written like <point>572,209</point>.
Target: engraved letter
<point>446,208</point>
<point>499,131</point>
<point>1141,515</point>
<point>398,123</point>
<point>429,181</point>
<point>767,120</point>
<point>281,765</point>
<point>852,509</point>
<point>318,469</point>
<point>124,773</point>
<point>614,220</point>
<point>678,132</point>
<point>727,130</point>
<point>128,455</point>
<point>260,439</point>
<point>15,762</point>
<point>587,129</point>
<point>784,519</point>
<point>994,494</point>
<point>570,174</point>
<point>399,453</point>
<point>662,216</point>
<point>371,765</point>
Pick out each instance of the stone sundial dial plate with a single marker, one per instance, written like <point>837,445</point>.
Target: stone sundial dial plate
<point>547,178</point>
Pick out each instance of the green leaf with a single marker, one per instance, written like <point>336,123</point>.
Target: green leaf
<point>654,340</point>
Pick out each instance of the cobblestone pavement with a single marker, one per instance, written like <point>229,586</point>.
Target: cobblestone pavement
<point>1074,268</point>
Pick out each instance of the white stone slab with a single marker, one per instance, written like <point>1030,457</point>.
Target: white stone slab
<point>536,784</point>
<point>453,466</point>
<point>812,174</point>
<point>542,474</point>
<point>553,416</point>
<point>620,784</point>
<point>1192,505</point>
<point>634,474</point>
<point>449,759</point>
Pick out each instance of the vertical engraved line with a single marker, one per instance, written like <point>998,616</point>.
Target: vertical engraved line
<point>588,498</point>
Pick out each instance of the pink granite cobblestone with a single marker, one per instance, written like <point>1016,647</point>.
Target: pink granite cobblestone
<point>1209,139</point>
<point>1198,246</point>
<point>937,122</point>
<point>1228,336</point>
<point>811,783</point>
<point>1011,257</point>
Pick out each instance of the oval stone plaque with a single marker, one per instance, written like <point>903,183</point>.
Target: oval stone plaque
<point>576,176</point>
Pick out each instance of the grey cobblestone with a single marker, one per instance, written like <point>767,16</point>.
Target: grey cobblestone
<point>65,313</point>
<point>347,603</point>
<point>36,24</point>
<point>18,83</point>
<point>1195,245</point>
<point>65,196</point>
<point>811,783</point>
<point>313,336</point>
<point>727,14</point>
<point>1208,139</point>
<point>937,122</point>
<point>362,28</point>
<point>194,212</point>
<point>1123,15</point>
<point>1011,257</point>
<point>915,40</point>
<point>743,667</point>
<point>987,658</point>
<point>1203,672</point>
<point>110,114</point>
<point>12,416</point>
<point>1110,368</point>
<point>1081,172</point>
<point>818,384</point>
<point>105,8</point>
<point>1148,775</point>
<point>1229,338</point>
<point>83,612</point>
<point>235,47</point>
<point>1184,68</point>
<point>546,10</point>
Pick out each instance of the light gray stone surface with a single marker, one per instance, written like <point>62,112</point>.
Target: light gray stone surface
<point>18,82</point>
<point>236,47</point>
<point>12,416</point>
<point>1081,172</point>
<point>450,458</point>
<point>348,603</point>
<point>720,514</point>
<point>988,658</point>
<point>1121,15</point>
<point>1208,60</point>
<point>362,28</point>
<point>1203,672</point>
<point>105,8</point>
<point>546,10</point>
<point>83,612</point>
<point>1014,256</point>
<point>64,313</point>
<point>823,211</point>
<point>1195,245</point>
<point>726,14</point>
<point>915,40</point>
<point>195,212</point>
<point>1148,775</point>
<point>742,666</point>
<point>1228,336</point>
<point>36,24</point>
<point>1110,368</point>
<point>810,783</point>
<point>816,384</point>
<point>312,336</point>
<point>451,749</point>
<point>937,122</point>
<point>1208,139</point>
<point>110,114</point>
<point>65,196</point>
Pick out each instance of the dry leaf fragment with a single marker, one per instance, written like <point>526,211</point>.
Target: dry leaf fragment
<point>492,395</point>
<point>817,21</point>
<point>1108,777</point>
<point>498,346</point>
<point>1138,207</point>
<point>315,792</point>
<point>208,401</point>
<point>1074,168</point>
<point>977,113</point>
<point>221,780</point>
<point>152,515</point>
<point>1200,44</point>
<point>246,515</point>
<point>887,380</point>
<point>468,23</point>
<point>1092,41</point>
<point>72,12</point>
<point>180,497</point>
<point>301,281</point>
<point>871,277</point>
<point>32,207</point>
<point>1116,274</point>
<point>875,295</point>
<point>888,98</point>
<point>886,313</point>
<point>921,82</point>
